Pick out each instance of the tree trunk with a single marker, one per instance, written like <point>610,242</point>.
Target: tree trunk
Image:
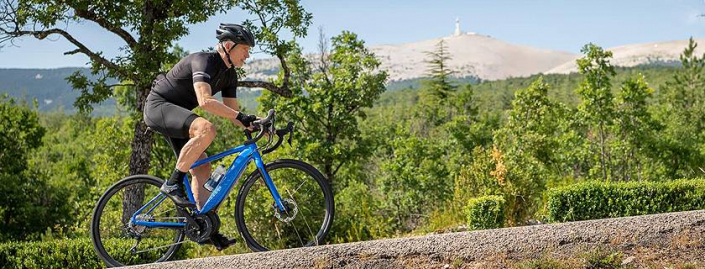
<point>139,159</point>
<point>328,170</point>
<point>602,151</point>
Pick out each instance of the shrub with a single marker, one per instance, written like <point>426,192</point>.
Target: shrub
<point>66,253</point>
<point>486,212</point>
<point>596,200</point>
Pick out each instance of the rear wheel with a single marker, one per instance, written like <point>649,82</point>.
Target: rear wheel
<point>118,241</point>
<point>309,211</point>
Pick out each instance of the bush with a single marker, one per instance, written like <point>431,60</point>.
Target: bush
<point>67,253</point>
<point>596,200</point>
<point>486,212</point>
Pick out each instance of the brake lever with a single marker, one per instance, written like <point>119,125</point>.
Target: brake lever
<point>290,127</point>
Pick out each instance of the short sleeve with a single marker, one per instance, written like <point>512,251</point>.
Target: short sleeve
<point>230,91</point>
<point>201,70</point>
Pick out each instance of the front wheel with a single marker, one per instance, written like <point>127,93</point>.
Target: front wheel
<point>308,202</point>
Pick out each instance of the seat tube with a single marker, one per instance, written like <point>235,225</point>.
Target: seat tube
<point>268,180</point>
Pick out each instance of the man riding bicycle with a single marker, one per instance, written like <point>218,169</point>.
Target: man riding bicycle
<point>189,84</point>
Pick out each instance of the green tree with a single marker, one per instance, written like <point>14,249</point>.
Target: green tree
<point>26,204</point>
<point>526,148</point>
<point>634,128</point>
<point>148,29</point>
<point>597,106</point>
<point>439,86</point>
<point>328,103</point>
<point>434,97</point>
<point>65,161</point>
<point>682,111</point>
<point>473,179</point>
<point>413,182</point>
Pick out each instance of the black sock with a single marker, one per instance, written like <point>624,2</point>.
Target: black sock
<point>176,177</point>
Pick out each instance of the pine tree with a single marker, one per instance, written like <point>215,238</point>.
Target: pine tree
<point>682,111</point>
<point>434,98</point>
<point>439,85</point>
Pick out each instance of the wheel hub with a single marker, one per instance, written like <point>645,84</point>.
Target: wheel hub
<point>290,210</point>
<point>139,229</point>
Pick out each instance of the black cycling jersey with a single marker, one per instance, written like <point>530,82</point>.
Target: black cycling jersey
<point>177,86</point>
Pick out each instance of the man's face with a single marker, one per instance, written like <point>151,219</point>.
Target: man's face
<point>239,54</point>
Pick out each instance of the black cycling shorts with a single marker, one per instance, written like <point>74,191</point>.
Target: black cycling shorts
<point>168,119</point>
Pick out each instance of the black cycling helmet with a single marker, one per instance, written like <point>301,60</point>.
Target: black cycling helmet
<point>235,33</point>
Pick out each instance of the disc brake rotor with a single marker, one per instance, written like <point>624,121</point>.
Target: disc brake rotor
<point>291,210</point>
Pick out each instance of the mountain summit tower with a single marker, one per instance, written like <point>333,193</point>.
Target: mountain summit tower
<point>457,27</point>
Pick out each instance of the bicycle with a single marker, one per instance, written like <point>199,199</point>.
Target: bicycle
<point>265,219</point>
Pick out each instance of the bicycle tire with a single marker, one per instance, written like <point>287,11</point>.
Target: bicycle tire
<point>255,177</point>
<point>96,238</point>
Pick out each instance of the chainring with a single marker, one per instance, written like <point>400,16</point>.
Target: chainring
<point>206,225</point>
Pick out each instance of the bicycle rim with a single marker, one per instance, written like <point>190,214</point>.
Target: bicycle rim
<point>310,208</point>
<point>118,241</point>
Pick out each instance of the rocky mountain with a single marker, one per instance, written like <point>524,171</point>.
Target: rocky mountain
<point>487,58</point>
<point>659,53</point>
<point>472,55</point>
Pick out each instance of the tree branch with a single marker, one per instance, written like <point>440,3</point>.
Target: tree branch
<point>284,89</point>
<point>266,85</point>
<point>81,48</point>
<point>335,171</point>
<point>92,16</point>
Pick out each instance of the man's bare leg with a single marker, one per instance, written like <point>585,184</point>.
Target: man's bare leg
<point>202,133</point>
<point>200,176</point>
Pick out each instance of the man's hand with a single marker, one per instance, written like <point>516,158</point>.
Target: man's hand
<point>246,119</point>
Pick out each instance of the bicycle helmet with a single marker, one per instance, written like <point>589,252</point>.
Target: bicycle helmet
<point>235,33</point>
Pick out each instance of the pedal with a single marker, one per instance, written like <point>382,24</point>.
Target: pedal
<point>220,242</point>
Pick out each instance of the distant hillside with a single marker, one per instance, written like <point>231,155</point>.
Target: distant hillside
<point>48,86</point>
<point>496,95</point>
<point>480,57</point>
<point>471,55</point>
<point>53,92</point>
<point>473,58</point>
<point>655,53</point>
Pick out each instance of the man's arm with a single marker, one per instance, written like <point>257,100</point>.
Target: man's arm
<point>207,102</point>
<point>235,105</point>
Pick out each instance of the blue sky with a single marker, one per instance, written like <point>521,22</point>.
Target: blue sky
<point>550,24</point>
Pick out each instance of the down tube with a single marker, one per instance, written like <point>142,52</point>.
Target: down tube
<point>268,180</point>
<point>229,179</point>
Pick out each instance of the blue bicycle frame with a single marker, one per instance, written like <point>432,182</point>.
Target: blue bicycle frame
<point>248,152</point>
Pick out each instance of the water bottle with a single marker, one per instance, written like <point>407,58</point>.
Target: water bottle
<point>215,178</point>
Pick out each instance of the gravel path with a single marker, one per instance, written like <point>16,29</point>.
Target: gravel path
<point>644,240</point>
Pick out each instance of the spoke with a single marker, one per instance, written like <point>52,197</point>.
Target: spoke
<point>297,188</point>
<point>279,233</point>
<point>164,246</point>
<point>302,215</point>
<point>297,234</point>
<point>292,224</point>
<point>165,211</point>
